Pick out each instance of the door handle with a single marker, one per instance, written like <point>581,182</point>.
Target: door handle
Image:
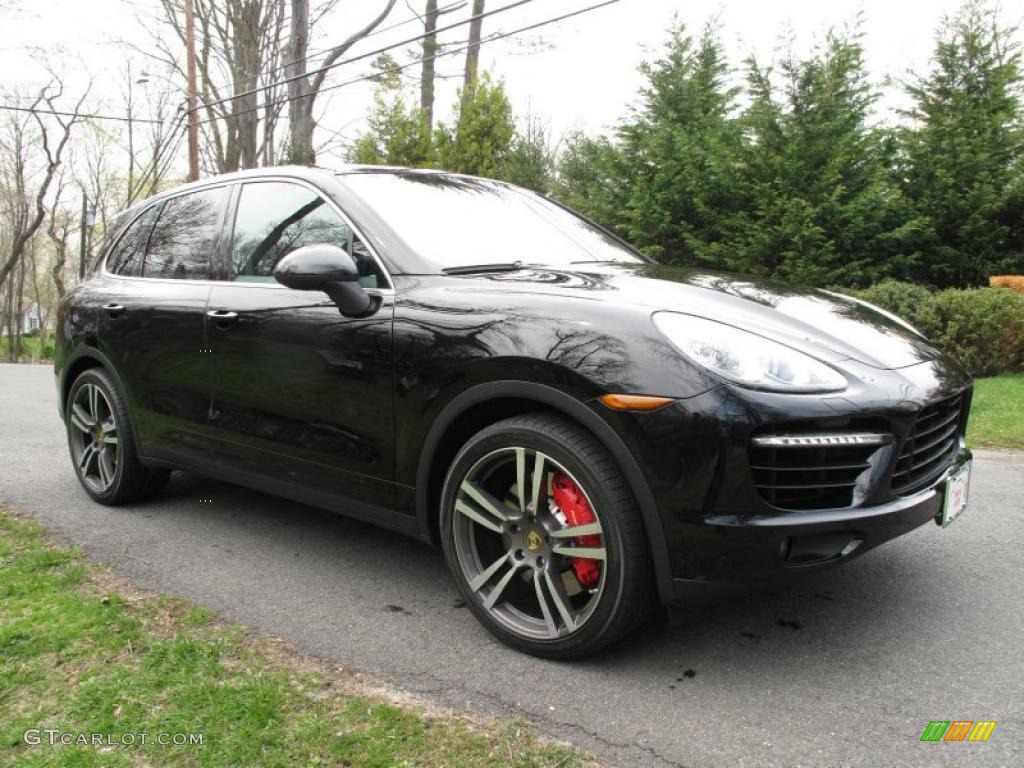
<point>222,316</point>
<point>113,309</point>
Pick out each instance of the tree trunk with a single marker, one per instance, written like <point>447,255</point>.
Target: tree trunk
<point>472,55</point>
<point>427,73</point>
<point>246,30</point>
<point>300,105</point>
<point>9,317</point>
<point>19,312</point>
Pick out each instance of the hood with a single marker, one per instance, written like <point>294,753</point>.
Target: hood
<point>826,325</point>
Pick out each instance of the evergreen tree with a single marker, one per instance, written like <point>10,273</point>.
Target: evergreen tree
<point>398,133</point>
<point>820,205</point>
<point>962,161</point>
<point>591,178</point>
<point>481,140</point>
<point>667,181</point>
<point>530,161</point>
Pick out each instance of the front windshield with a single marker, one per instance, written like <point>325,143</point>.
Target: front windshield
<point>455,221</point>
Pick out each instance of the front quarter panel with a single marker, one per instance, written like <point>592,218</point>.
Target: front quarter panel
<point>451,334</point>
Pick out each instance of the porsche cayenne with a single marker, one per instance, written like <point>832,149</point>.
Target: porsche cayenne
<point>583,431</point>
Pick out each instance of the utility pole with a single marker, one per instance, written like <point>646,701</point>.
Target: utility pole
<point>190,64</point>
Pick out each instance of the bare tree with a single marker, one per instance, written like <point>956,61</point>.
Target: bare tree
<point>27,209</point>
<point>58,229</point>
<point>303,88</point>
<point>240,43</point>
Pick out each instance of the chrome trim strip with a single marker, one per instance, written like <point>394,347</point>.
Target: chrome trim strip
<point>817,441</point>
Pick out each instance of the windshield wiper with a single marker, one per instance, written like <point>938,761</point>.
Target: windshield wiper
<point>473,269</point>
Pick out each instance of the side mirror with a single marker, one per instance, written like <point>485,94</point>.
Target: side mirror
<point>330,269</point>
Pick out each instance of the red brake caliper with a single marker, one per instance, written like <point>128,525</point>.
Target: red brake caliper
<point>577,511</point>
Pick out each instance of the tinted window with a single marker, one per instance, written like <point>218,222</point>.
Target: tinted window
<point>181,245</point>
<point>127,256</point>
<point>458,221</point>
<point>274,218</point>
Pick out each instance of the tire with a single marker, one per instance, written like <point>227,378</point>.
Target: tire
<point>506,553</point>
<point>102,443</point>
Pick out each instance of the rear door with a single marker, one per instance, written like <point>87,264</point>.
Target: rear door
<point>152,326</point>
<point>301,395</point>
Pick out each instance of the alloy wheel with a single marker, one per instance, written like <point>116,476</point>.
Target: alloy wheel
<point>536,568</point>
<point>94,439</point>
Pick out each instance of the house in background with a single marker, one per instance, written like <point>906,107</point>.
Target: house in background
<point>32,314</point>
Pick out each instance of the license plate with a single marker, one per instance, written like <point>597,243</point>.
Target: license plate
<point>957,487</point>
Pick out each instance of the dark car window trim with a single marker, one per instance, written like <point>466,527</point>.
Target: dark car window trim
<point>230,232</point>
<point>161,202</point>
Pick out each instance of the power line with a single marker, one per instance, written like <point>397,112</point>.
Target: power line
<point>362,56</point>
<point>397,68</point>
<point>443,9</point>
<point>12,108</point>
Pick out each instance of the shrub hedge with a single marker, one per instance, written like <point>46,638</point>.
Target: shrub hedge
<point>983,328</point>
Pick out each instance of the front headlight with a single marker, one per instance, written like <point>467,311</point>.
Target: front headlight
<point>746,358</point>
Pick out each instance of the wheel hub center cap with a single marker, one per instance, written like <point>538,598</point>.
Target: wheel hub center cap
<point>533,541</point>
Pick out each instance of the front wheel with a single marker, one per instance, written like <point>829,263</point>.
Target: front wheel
<point>543,537</point>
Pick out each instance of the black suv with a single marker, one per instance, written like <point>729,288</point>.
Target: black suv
<point>582,430</point>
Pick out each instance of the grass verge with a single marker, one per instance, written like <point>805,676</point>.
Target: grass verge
<point>82,653</point>
<point>997,413</point>
<point>31,347</point>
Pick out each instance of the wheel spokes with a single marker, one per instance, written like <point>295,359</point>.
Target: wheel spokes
<point>85,459</point>
<point>561,601</point>
<point>109,432</point>
<point>105,464</point>
<point>93,393</point>
<point>521,479</point>
<point>549,620</point>
<point>464,508</point>
<point>486,501</point>
<point>80,418</point>
<point>477,583</point>
<point>538,488</point>
<point>591,553</point>
<point>588,529</point>
<point>495,593</point>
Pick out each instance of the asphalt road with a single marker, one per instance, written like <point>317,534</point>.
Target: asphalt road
<point>843,670</point>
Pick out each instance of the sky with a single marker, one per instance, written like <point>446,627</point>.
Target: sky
<point>580,74</point>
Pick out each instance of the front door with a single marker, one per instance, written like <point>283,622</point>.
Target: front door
<point>301,396</point>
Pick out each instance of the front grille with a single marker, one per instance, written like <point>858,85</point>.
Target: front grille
<point>795,476</point>
<point>929,448</point>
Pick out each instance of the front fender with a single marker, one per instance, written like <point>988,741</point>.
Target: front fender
<point>572,408</point>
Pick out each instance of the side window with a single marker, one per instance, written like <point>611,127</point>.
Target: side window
<point>276,217</point>
<point>127,256</point>
<point>181,245</point>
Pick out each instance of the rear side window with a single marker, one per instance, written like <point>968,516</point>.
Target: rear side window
<point>128,254</point>
<point>182,242</point>
<point>275,217</point>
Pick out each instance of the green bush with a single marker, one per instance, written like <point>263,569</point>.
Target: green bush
<point>909,301</point>
<point>983,328</point>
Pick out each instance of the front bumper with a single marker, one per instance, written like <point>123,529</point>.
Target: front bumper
<point>720,530</point>
<point>759,549</point>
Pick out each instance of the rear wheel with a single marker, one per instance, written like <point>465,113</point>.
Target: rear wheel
<point>102,445</point>
<point>544,538</point>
